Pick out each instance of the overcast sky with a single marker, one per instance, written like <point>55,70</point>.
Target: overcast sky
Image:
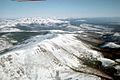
<point>60,8</point>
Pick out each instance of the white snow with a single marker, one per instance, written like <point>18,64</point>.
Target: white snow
<point>4,44</point>
<point>106,62</point>
<point>88,27</point>
<point>8,25</point>
<point>116,34</point>
<point>111,45</point>
<point>50,59</point>
<point>118,60</point>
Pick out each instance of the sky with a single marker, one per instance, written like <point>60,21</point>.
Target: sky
<point>60,8</point>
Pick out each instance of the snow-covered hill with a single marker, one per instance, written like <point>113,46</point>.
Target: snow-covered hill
<point>56,49</point>
<point>111,45</point>
<point>37,24</point>
<point>52,59</point>
<point>29,24</point>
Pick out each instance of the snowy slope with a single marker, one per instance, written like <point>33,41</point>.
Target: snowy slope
<point>4,44</point>
<point>56,54</point>
<point>52,59</point>
<point>111,45</point>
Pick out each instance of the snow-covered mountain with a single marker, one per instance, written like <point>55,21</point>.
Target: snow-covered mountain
<point>29,24</point>
<point>56,49</point>
<point>52,59</point>
<point>38,24</point>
